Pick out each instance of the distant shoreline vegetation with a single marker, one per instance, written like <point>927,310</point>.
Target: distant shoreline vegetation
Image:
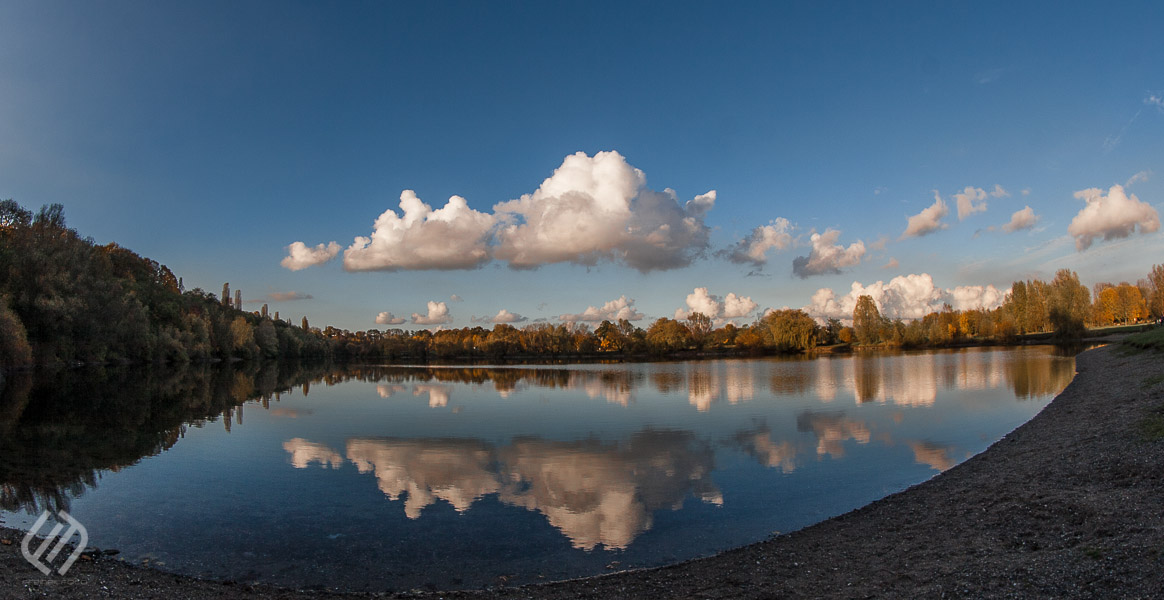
<point>65,299</point>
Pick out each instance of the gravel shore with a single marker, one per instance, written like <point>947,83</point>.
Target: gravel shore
<point>1070,505</point>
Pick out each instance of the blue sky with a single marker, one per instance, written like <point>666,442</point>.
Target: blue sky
<point>211,136</point>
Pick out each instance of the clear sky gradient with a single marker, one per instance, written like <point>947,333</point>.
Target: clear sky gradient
<point>212,135</point>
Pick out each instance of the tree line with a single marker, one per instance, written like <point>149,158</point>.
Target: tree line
<point>1063,307</point>
<point>66,299</point>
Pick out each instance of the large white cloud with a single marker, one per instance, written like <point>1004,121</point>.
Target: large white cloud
<point>728,307</point>
<point>387,318</point>
<point>438,313</point>
<point>453,237</point>
<point>928,220</point>
<point>1020,220</point>
<point>906,297</point>
<point>972,200</point>
<point>827,256</point>
<point>619,308</point>
<point>1110,216</point>
<point>300,255</point>
<point>754,248</point>
<point>599,208</point>
<point>590,209</point>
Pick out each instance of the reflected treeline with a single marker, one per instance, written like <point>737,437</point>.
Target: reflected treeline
<point>594,492</point>
<point>58,429</point>
<point>908,379</point>
<point>914,379</point>
<point>616,386</point>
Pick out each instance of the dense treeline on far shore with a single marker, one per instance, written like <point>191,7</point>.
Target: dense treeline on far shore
<point>65,299</point>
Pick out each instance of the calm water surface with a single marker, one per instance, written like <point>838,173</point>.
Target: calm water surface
<point>393,477</point>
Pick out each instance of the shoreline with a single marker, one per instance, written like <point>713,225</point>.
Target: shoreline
<point>1070,504</point>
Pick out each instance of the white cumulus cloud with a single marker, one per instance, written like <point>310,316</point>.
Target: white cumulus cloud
<point>928,220</point>
<point>754,248</point>
<point>1114,215</point>
<point>904,297</point>
<point>453,237</point>
<point>728,307</point>
<point>502,316</point>
<point>970,200</point>
<point>300,255</point>
<point>999,192</point>
<point>827,256</point>
<point>387,318</point>
<point>619,308</point>
<point>590,209</point>
<point>438,313</point>
<point>1020,220</point>
<point>599,208</point>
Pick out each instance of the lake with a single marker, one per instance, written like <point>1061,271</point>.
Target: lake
<point>379,477</point>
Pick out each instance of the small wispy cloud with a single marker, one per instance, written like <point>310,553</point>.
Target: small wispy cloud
<point>1138,177</point>
<point>928,220</point>
<point>969,201</point>
<point>988,76</point>
<point>288,296</point>
<point>1156,100</point>
<point>1020,220</point>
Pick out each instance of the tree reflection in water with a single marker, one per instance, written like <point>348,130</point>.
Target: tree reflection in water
<point>59,429</point>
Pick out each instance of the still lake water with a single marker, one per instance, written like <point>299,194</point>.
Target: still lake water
<point>380,477</point>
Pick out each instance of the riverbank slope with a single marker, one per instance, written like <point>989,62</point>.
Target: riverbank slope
<point>1070,505</point>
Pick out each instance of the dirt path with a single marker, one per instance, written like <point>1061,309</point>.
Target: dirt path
<point>1070,505</point>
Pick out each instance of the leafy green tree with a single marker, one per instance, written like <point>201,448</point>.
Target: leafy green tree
<point>1155,297</point>
<point>667,335</point>
<point>866,321</point>
<point>1069,305</point>
<point>242,337</point>
<point>610,338</point>
<point>267,339</point>
<point>699,325</point>
<point>791,330</point>
<point>14,348</point>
